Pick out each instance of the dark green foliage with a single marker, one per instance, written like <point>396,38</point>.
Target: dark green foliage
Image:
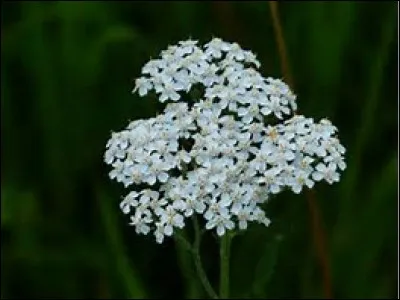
<point>67,71</point>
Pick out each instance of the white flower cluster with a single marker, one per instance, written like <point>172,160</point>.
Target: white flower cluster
<point>220,154</point>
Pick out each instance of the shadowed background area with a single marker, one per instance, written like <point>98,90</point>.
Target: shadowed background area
<point>67,71</point>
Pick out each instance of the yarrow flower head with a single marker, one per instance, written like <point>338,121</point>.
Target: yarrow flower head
<point>226,141</point>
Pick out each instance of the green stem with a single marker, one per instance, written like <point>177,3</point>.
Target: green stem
<point>180,238</point>
<point>224,252</point>
<point>193,288</point>
<point>197,261</point>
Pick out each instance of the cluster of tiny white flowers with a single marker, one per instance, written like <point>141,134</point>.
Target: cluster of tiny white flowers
<point>223,153</point>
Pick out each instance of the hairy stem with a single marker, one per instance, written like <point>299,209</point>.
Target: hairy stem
<point>224,252</point>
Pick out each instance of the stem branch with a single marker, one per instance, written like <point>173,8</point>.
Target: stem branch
<point>197,261</point>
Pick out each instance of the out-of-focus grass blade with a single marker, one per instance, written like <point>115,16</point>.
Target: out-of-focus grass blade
<point>20,213</point>
<point>37,57</point>
<point>95,54</point>
<point>265,267</point>
<point>353,272</point>
<point>367,119</point>
<point>242,264</point>
<point>369,244</point>
<point>131,280</point>
<point>330,27</point>
<point>383,201</point>
<point>318,35</point>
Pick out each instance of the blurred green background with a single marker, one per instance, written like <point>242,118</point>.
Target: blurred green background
<point>67,71</point>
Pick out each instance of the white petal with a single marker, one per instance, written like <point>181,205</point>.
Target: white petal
<point>320,167</point>
<point>208,215</point>
<point>225,200</point>
<point>243,224</point>
<point>163,177</point>
<point>178,221</point>
<point>242,111</point>
<point>174,96</point>
<point>200,207</point>
<point>309,183</point>
<point>317,176</point>
<point>229,224</point>
<point>151,179</point>
<point>126,209</point>
<point>142,91</point>
<point>297,188</point>
<point>265,111</point>
<point>220,230</point>
<point>168,230</point>
<point>210,224</point>
<point>275,189</point>
<point>144,229</point>
<point>163,97</point>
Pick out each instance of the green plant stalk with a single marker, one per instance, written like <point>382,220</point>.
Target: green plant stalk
<point>224,252</point>
<point>193,289</point>
<point>197,261</point>
<point>195,251</point>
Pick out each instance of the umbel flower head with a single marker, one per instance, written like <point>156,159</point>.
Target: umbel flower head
<point>227,139</point>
